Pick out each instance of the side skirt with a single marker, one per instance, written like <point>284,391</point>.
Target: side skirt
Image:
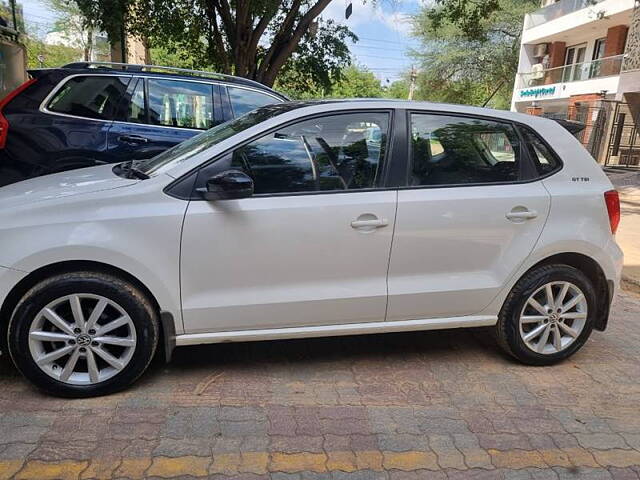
<point>336,330</point>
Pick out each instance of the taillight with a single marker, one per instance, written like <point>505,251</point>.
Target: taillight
<point>4,124</point>
<point>612,200</point>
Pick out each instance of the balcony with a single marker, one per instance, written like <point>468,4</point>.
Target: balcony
<point>556,10</point>
<point>603,67</point>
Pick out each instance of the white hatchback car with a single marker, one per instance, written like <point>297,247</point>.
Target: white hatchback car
<point>310,219</point>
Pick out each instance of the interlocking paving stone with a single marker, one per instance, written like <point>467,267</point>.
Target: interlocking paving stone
<point>431,405</point>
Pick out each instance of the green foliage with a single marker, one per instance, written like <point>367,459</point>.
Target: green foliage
<point>466,53</point>
<point>467,15</point>
<point>357,83</point>
<point>398,89</point>
<point>110,16</point>
<point>52,55</point>
<point>318,62</point>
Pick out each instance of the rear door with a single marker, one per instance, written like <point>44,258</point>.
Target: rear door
<point>158,113</point>
<point>78,116</point>
<point>466,220</point>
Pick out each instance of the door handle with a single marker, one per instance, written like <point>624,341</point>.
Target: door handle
<point>132,139</point>
<point>520,214</point>
<point>367,224</point>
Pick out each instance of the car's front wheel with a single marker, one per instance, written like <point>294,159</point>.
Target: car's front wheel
<point>548,315</point>
<point>83,334</point>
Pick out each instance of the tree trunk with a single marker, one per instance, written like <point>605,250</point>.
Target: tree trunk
<point>280,55</point>
<point>88,46</point>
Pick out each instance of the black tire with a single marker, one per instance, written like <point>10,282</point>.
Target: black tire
<point>507,329</point>
<point>126,295</point>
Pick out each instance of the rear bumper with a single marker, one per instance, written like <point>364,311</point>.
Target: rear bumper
<point>611,263</point>
<point>613,268</point>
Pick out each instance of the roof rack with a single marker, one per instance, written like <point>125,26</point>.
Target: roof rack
<point>160,69</point>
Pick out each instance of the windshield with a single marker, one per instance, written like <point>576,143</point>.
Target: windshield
<point>187,149</point>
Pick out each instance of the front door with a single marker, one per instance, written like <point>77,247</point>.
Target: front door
<point>464,225</point>
<point>311,247</point>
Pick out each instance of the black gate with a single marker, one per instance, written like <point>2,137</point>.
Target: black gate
<point>624,139</point>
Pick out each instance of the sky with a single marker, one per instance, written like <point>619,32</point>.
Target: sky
<point>382,27</point>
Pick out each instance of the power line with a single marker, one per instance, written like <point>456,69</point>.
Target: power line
<point>379,56</point>
<point>377,47</point>
<point>370,39</point>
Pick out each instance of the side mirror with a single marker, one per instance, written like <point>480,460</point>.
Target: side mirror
<point>227,185</point>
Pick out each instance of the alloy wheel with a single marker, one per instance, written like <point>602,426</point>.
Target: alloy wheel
<point>82,339</point>
<point>553,317</point>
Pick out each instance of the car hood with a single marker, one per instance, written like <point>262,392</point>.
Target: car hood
<point>64,184</point>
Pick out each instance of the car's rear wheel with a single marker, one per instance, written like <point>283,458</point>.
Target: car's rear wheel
<point>548,315</point>
<point>83,334</point>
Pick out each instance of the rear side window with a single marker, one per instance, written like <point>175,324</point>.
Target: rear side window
<point>174,103</point>
<point>544,160</point>
<point>244,100</point>
<point>450,150</point>
<point>89,96</point>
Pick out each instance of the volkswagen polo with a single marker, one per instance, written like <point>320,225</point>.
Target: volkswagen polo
<point>307,219</point>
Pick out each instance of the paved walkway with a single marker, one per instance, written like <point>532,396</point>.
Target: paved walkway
<point>432,405</point>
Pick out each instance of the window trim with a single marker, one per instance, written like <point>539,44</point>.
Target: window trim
<point>392,112</point>
<point>43,105</point>
<point>528,171</point>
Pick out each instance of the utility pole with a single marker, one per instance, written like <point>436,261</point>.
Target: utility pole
<point>412,85</point>
<point>13,15</point>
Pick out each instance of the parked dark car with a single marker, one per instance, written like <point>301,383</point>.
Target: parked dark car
<point>86,114</point>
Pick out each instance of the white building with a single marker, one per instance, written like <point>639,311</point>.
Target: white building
<point>577,61</point>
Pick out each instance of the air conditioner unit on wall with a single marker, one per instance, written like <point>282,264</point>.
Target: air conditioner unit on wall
<point>540,50</point>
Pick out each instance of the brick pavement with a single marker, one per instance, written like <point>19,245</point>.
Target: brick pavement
<point>432,405</point>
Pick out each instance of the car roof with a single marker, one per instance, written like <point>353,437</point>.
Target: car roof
<point>385,103</point>
<point>160,70</point>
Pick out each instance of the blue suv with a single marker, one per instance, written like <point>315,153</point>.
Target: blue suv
<point>86,114</point>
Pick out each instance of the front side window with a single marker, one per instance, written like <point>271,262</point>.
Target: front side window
<point>450,150</point>
<point>337,152</point>
<point>175,103</point>
<point>244,100</point>
<point>94,97</point>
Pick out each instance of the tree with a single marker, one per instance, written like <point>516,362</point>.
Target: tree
<point>109,16</point>
<point>467,15</point>
<point>398,89</point>
<point>468,53</point>
<point>357,82</point>
<point>40,54</point>
<point>248,38</point>
<point>318,62</point>
<point>78,30</point>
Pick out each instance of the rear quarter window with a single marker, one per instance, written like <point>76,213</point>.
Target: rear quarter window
<point>544,159</point>
<point>94,97</point>
<point>243,100</point>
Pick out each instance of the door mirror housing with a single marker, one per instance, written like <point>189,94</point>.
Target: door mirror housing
<point>228,185</point>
